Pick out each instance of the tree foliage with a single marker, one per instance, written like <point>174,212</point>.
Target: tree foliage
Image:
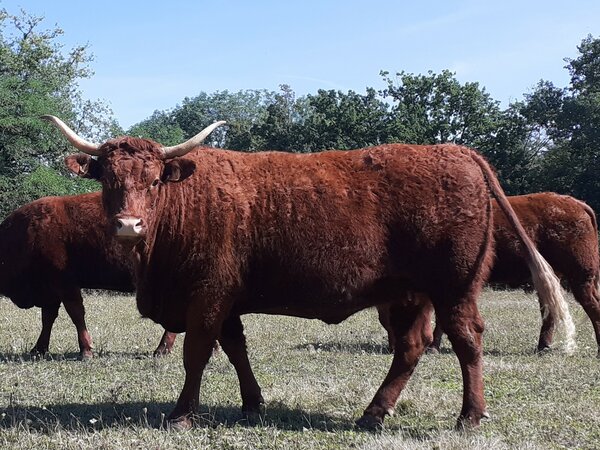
<point>38,77</point>
<point>570,118</point>
<point>41,182</point>
<point>550,140</point>
<point>437,108</point>
<point>242,110</point>
<point>279,127</point>
<point>344,120</point>
<point>161,127</point>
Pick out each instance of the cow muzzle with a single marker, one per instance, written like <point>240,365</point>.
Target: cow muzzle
<point>129,228</point>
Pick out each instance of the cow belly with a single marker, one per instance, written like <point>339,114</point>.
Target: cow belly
<point>310,302</point>
<point>510,270</point>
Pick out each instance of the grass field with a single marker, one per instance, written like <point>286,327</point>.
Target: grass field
<point>316,380</point>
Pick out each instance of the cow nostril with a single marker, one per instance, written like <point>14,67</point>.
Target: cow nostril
<point>129,226</point>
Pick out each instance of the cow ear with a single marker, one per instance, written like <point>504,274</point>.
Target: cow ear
<point>84,166</point>
<point>178,170</point>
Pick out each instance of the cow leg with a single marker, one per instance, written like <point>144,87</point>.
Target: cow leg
<point>588,296</point>
<point>411,328</point>
<point>198,346</point>
<point>233,342</point>
<point>438,333</point>
<point>166,344</point>
<point>547,330</point>
<point>75,309</point>
<point>384,319</point>
<point>464,327</point>
<point>49,315</point>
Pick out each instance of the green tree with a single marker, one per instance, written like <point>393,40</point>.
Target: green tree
<point>514,148</point>
<point>161,126</point>
<point>437,108</point>
<point>279,127</point>
<point>37,76</point>
<point>41,182</point>
<point>339,120</point>
<point>242,110</point>
<point>570,117</point>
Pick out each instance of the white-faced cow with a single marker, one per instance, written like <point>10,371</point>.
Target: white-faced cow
<point>52,248</point>
<point>219,233</point>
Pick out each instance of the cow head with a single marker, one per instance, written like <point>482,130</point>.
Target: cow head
<point>132,172</point>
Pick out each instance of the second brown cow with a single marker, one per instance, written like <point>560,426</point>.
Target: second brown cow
<point>52,248</point>
<point>565,231</point>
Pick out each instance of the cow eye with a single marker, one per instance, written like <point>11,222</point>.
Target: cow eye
<point>155,182</point>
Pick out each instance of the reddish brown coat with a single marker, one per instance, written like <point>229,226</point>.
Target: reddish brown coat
<point>52,248</point>
<point>310,235</point>
<point>565,232</point>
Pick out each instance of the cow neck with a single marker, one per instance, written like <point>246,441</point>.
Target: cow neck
<point>168,254</point>
<point>144,249</point>
<point>177,207</point>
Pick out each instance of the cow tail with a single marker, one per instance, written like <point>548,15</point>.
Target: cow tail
<point>545,281</point>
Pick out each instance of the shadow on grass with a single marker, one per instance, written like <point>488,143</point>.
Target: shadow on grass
<point>27,357</point>
<point>382,349</point>
<point>489,352</point>
<point>72,356</point>
<point>345,347</point>
<point>94,417</point>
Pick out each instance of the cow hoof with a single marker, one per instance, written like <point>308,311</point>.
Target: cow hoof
<point>370,423</point>
<point>254,417</point>
<point>38,351</point>
<point>432,350</point>
<point>86,355</point>
<point>183,423</point>
<point>255,411</point>
<point>161,351</point>
<point>543,349</point>
<point>471,421</point>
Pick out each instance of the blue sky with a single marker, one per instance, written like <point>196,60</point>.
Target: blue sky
<point>150,55</point>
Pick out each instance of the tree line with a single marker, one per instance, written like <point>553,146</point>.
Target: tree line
<point>548,141</point>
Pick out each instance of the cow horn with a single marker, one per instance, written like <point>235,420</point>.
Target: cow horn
<point>189,145</point>
<point>78,142</point>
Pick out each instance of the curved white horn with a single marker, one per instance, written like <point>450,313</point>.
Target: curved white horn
<point>189,145</point>
<point>78,142</point>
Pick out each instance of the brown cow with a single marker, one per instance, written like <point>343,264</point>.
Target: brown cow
<point>222,233</point>
<point>566,233</point>
<point>53,247</point>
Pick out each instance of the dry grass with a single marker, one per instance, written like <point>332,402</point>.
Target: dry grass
<point>316,379</point>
